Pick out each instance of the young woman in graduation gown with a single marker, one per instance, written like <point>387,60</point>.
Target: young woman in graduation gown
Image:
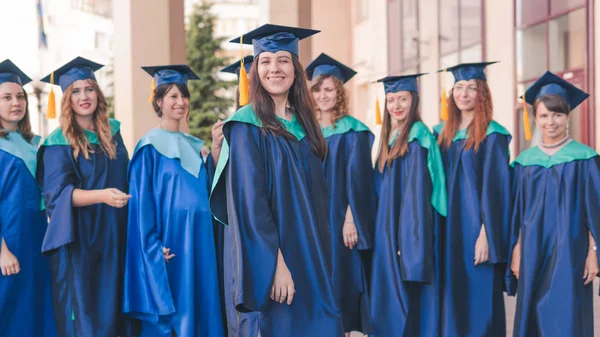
<point>25,290</point>
<point>556,222</point>
<point>171,280</point>
<point>271,191</point>
<point>348,172</point>
<point>475,151</point>
<point>405,280</point>
<point>82,169</point>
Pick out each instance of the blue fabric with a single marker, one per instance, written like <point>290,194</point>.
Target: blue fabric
<point>469,73</point>
<point>25,298</point>
<point>276,42</point>
<point>263,174</point>
<point>16,145</point>
<point>326,69</point>
<point>478,193</point>
<point>404,84</point>
<point>85,244</point>
<point>169,208</point>
<point>170,76</point>
<point>550,84</point>
<point>9,72</point>
<point>554,208</point>
<point>405,287</point>
<point>327,65</point>
<point>7,77</point>
<point>75,74</point>
<point>348,173</point>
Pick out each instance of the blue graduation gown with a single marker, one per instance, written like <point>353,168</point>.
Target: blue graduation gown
<point>169,185</point>
<point>25,298</point>
<point>405,279</point>
<point>85,244</point>
<point>556,203</point>
<point>348,171</point>
<point>271,191</point>
<point>478,193</point>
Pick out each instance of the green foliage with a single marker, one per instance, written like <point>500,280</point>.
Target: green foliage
<point>203,51</point>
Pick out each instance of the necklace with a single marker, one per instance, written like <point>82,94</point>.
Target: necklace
<point>555,145</point>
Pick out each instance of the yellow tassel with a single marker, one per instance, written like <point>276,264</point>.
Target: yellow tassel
<point>444,101</point>
<point>444,106</point>
<point>377,112</point>
<point>51,109</point>
<point>243,83</point>
<point>526,123</point>
<point>153,85</point>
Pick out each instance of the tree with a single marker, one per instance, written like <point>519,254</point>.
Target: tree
<point>203,50</point>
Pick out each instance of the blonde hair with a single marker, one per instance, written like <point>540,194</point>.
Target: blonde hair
<point>341,106</point>
<point>75,133</point>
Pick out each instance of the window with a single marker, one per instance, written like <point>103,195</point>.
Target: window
<point>461,30</point>
<point>362,10</point>
<point>403,36</point>
<point>97,7</point>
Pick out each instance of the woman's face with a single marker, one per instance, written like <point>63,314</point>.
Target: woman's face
<point>12,104</point>
<point>276,72</point>
<point>325,95</point>
<point>552,124</point>
<point>465,95</point>
<point>174,105</point>
<point>398,105</point>
<point>84,98</point>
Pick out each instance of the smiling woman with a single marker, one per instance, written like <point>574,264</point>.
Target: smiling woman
<point>81,169</point>
<point>271,155</point>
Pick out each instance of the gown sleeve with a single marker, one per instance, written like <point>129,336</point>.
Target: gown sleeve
<point>58,177</point>
<point>415,229</point>
<point>495,195</point>
<point>255,238</point>
<point>515,227</point>
<point>146,294</point>
<point>592,199</point>
<point>360,189</point>
<point>10,215</point>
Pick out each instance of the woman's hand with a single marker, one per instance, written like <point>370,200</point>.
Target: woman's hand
<point>217,140</point>
<point>349,234</point>
<point>283,285</point>
<point>9,264</point>
<point>115,198</point>
<point>591,267</point>
<point>482,249</point>
<point>515,263</point>
<point>166,254</point>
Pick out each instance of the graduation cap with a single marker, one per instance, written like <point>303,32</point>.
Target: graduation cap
<point>550,84</point>
<point>235,67</point>
<point>273,38</point>
<point>167,74</point>
<point>9,72</point>
<point>400,83</point>
<point>77,69</point>
<point>326,65</point>
<point>393,84</point>
<point>469,71</point>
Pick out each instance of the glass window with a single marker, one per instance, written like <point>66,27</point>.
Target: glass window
<point>567,42</point>
<point>410,34</point>
<point>532,55</point>
<point>449,21</point>
<point>470,23</point>
<point>362,10</point>
<point>531,11</point>
<point>559,6</point>
<point>395,36</point>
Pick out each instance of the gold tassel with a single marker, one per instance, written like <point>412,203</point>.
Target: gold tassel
<point>153,88</point>
<point>243,83</point>
<point>51,109</point>
<point>444,101</point>
<point>377,112</point>
<point>526,123</point>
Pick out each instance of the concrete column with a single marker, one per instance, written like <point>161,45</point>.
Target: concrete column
<point>295,13</point>
<point>430,61</point>
<point>147,32</point>
<point>500,46</point>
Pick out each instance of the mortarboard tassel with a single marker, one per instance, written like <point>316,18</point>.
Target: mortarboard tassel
<point>444,101</point>
<point>243,83</point>
<point>153,85</point>
<point>377,112</point>
<point>526,123</point>
<point>51,108</point>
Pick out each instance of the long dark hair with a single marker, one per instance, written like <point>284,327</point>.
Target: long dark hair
<point>162,90</point>
<point>24,125</point>
<point>400,147</point>
<point>482,118</point>
<point>301,102</point>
